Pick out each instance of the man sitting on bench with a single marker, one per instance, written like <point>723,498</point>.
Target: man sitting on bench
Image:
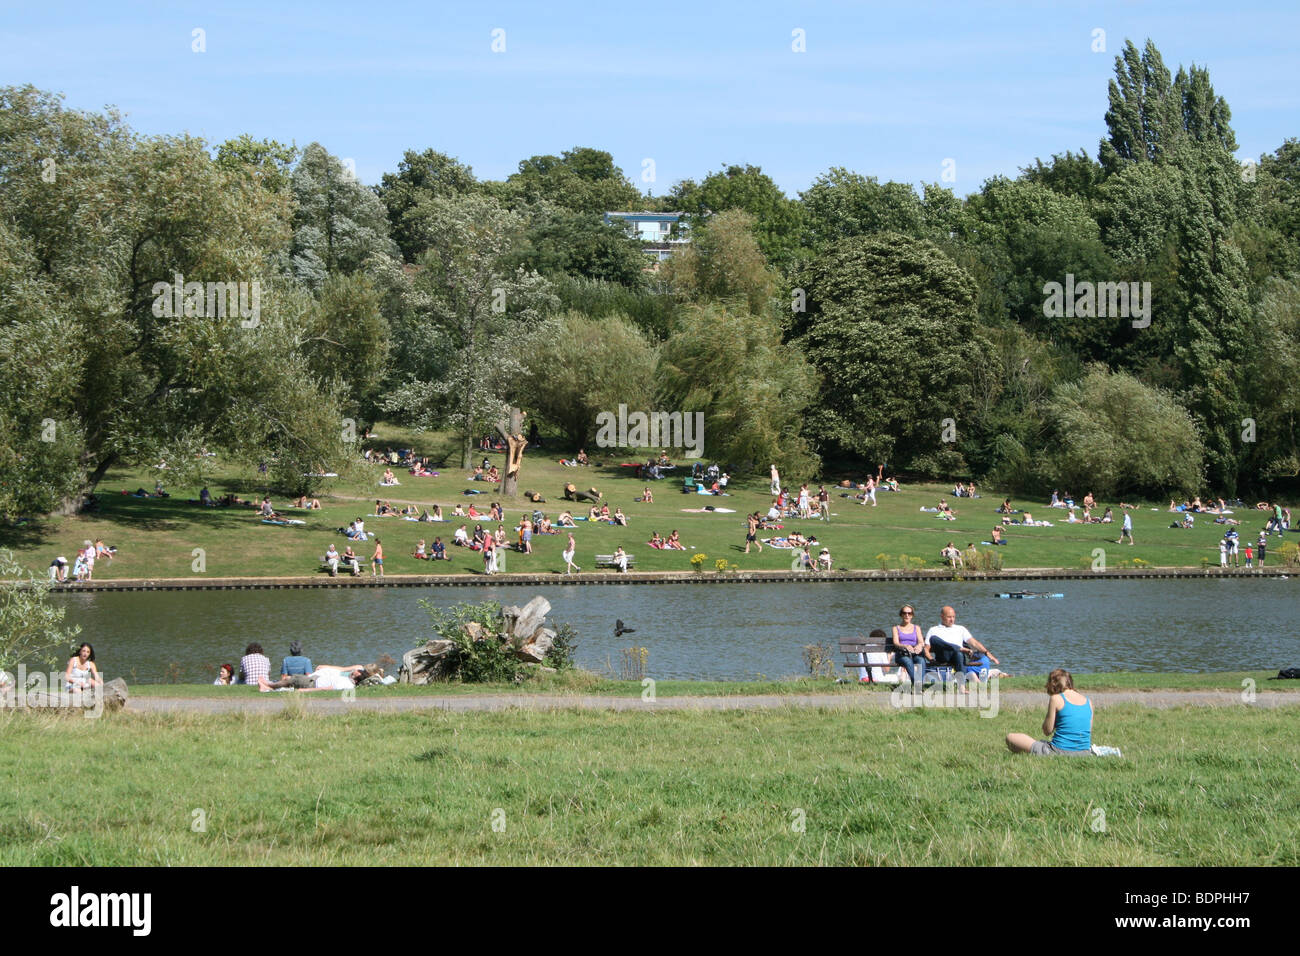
<point>948,640</point>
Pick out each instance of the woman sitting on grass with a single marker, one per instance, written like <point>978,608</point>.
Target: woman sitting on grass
<point>647,496</point>
<point>81,672</point>
<point>674,542</point>
<point>565,520</point>
<point>1068,720</point>
<point>656,541</point>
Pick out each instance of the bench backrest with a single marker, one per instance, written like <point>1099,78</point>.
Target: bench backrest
<point>877,657</point>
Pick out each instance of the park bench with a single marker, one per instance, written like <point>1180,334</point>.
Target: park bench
<point>875,656</point>
<point>363,564</point>
<point>607,561</point>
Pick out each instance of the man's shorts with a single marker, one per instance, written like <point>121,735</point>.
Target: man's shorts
<point>1045,748</point>
<point>299,681</point>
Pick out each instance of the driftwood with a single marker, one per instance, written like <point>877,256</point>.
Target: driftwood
<point>522,628</point>
<point>111,696</point>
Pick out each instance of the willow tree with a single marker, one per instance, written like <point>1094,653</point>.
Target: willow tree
<point>98,220</point>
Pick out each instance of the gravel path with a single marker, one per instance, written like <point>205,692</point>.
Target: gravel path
<point>327,702</point>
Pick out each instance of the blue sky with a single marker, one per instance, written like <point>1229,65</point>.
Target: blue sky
<point>883,88</point>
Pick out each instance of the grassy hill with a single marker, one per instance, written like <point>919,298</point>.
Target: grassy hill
<point>157,537</point>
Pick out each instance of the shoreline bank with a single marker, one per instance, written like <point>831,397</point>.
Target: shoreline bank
<point>650,577</point>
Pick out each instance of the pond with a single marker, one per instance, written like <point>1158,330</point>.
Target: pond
<point>722,631</point>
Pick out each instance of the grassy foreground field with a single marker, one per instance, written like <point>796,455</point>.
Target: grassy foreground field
<point>157,537</point>
<point>1196,787</point>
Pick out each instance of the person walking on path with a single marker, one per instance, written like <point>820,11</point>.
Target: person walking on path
<point>569,550</point>
<point>377,561</point>
<point>1127,530</point>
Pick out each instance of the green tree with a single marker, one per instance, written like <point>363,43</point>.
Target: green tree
<point>892,329</point>
<point>265,160</point>
<point>338,223</point>
<point>1024,235</point>
<point>580,244</point>
<point>1068,174</point>
<point>753,390</point>
<point>581,179</point>
<point>1114,436</point>
<point>723,261</point>
<point>1151,116</point>
<point>105,236</point>
<point>841,204</point>
<point>777,220</point>
<point>348,339</point>
<point>579,367</point>
<point>472,316</point>
<point>428,174</point>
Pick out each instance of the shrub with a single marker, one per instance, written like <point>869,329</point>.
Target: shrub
<point>819,659</point>
<point>634,662</point>
<point>698,559</point>
<point>489,660</point>
<point>31,627</point>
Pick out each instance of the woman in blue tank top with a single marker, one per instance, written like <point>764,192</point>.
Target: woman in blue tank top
<point>1068,721</point>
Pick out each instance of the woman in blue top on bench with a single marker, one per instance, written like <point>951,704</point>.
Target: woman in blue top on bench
<point>1068,720</point>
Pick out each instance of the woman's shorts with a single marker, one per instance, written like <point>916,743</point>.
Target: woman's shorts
<point>1045,748</point>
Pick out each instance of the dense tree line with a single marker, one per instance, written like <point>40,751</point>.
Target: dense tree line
<point>1129,323</point>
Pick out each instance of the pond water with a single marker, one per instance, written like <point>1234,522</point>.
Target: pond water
<point>721,631</point>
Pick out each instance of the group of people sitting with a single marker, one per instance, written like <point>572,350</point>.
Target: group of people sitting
<point>83,567</point>
<point>580,460</point>
<point>297,672</point>
<point>671,543</point>
<point>946,644</point>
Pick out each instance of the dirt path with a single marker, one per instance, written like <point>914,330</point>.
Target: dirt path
<point>333,703</point>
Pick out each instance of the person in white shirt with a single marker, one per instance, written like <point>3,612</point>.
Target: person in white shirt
<point>947,641</point>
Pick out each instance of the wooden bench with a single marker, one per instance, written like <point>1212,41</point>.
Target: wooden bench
<point>874,658</point>
<point>362,564</point>
<point>607,561</point>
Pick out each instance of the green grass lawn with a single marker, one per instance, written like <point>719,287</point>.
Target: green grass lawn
<point>158,537</point>
<point>582,682</point>
<point>1197,787</point>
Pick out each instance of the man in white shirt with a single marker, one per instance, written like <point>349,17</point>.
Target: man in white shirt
<point>947,641</point>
